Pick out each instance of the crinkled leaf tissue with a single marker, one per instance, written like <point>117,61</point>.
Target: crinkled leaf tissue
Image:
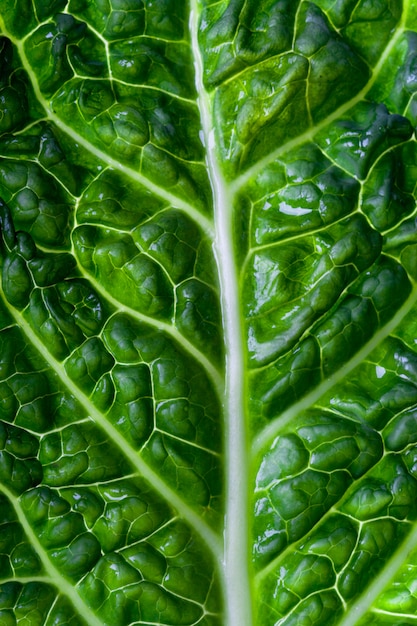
<point>208,313</point>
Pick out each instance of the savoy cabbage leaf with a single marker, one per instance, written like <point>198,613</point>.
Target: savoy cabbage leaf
<point>208,305</point>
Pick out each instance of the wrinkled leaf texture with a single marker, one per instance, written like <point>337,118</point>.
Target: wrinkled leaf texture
<point>208,362</point>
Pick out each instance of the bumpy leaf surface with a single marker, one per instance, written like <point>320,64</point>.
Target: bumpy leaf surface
<point>208,305</point>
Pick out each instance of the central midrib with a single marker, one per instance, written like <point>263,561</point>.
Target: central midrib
<point>236,564</point>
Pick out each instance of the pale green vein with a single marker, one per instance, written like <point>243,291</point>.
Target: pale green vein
<point>193,444</point>
<point>299,236</point>
<point>279,424</point>
<point>183,510</point>
<point>55,578</point>
<point>400,617</point>
<point>110,162</point>
<point>281,558</point>
<point>169,329</point>
<point>391,568</point>
<point>309,135</point>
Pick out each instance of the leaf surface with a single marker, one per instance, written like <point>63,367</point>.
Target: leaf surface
<point>208,361</point>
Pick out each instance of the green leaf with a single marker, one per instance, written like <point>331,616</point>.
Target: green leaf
<point>208,304</point>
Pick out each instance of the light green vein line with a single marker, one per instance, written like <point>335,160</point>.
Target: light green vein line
<point>162,193</point>
<point>170,330</point>
<point>276,426</point>
<point>273,565</point>
<point>183,510</point>
<point>55,578</point>
<point>309,134</point>
<point>400,617</point>
<point>358,609</point>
